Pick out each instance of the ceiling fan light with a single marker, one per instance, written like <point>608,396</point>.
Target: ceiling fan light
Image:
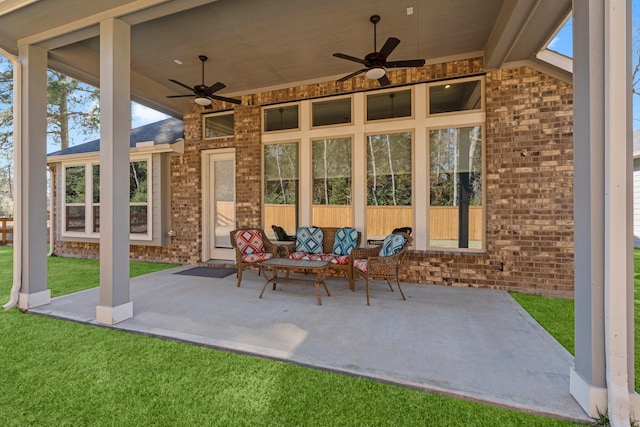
<point>203,101</point>
<point>375,73</point>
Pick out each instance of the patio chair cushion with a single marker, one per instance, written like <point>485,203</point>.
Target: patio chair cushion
<point>345,241</point>
<point>249,242</point>
<point>392,244</point>
<point>309,239</point>
<point>361,264</point>
<point>256,257</point>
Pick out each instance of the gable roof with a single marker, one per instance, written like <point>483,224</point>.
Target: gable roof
<point>168,131</point>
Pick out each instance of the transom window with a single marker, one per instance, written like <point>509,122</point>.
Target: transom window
<point>218,125</point>
<point>282,117</point>
<point>408,157</point>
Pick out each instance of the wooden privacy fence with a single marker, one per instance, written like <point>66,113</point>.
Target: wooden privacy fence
<point>443,220</point>
<point>6,230</point>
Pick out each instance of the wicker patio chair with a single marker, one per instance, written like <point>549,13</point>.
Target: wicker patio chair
<point>382,262</point>
<point>252,246</point>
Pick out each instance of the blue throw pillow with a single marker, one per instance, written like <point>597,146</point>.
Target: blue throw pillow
<point>309,239</point>
<point>346,241</point>
<point>392,244</point>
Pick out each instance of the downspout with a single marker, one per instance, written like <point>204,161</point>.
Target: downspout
<point>51,204</point>
<point>17,187</point>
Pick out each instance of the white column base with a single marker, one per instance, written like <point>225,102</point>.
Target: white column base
<point>112,315</point>
<point>27,301</point>
<point>594,400</point>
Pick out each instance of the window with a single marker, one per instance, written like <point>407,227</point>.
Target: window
<point>331,112</point>
<point>75,189</point>
<point>448,97</point>
<point>409,156</point>
<point>455,193</point>
<point>283,117</point>
<point>331,169</point>
<point>389,105</point>
<point>218,125</point>
<point>77,208</point>
<point>281,186</point>
<point>388,183</point>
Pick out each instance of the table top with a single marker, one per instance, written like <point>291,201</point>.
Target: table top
<point>294,263</point>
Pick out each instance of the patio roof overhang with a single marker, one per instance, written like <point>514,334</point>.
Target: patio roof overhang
<point>277,43</point>
<point>134,55</point>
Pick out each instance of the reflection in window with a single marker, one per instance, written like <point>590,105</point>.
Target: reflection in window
<point>76,207</point>
<point>455,212</point>
<point>331,168</point>
<point>389,105</point>
<point>75,186</point>
<point>219,125</point>
<point>455,97</point>
<point>332,112</point>
<point>281,186</point>
<point>388,183</point>
<point>281,118</point>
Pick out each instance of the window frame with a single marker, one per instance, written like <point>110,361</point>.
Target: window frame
<point>327,99</point>
<point>217,114</point>
<point>482,108</point>
<point>276,106</point>
<point>89,203</point>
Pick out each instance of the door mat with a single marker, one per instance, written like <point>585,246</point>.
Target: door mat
<point>217,272</point>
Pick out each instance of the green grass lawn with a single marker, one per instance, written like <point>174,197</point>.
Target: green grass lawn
<point>59,373</point>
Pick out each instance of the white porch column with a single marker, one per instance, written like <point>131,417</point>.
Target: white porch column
<point>115,125</point>
<point>602,378</point>
<point>31,178</point>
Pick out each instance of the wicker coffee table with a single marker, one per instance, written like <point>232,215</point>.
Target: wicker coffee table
<point>286,265</point>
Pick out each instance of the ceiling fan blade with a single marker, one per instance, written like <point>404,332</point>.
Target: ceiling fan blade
<point>215,87</point>
<point>180,96</point>
<point>388,47</point>
<point>348,76</point>
<point>405,63</point>
<point>384,81</point>
<point>225,99</point>
<point>349,58</point>
<point>181,84</point>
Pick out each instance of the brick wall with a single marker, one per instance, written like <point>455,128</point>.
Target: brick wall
<point>529,182</point>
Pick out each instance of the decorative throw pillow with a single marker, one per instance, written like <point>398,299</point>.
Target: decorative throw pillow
<point>249,241</point>
<point>346,241</point>
<point>392,244</point>
<point>309,239</point>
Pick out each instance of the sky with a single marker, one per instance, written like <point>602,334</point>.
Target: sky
<point>562,43</point>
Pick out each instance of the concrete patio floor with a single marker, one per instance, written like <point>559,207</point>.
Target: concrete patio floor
<point>475,344</point>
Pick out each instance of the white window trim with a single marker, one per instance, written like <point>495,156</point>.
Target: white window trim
<point>418,124</point>
<point>89,204</point>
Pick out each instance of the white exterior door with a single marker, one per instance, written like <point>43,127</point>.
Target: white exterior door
<point>218,207</point>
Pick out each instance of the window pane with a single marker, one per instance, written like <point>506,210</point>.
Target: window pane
<point>455,212</point>
<point>280,118</point>
<point>331,168</point>
<point>388,183</point>
<point>96,219</point>
<point>138,181</point>
<point>75,184</point>
<point>75,219</point>
<point>281,186</point>
<point>388,105</point>
<point>96,183</point>
<point>218,125</point>
<point>138,219</point>
<point>331,112</point>
<point>455,97</point>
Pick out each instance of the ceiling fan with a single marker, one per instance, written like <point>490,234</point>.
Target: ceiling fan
<point>376,63</point>
<point>204,94</point>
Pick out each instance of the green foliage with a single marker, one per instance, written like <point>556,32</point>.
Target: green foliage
<point>331,166</point>
<point>389,169</point>
<point>281,173</point>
